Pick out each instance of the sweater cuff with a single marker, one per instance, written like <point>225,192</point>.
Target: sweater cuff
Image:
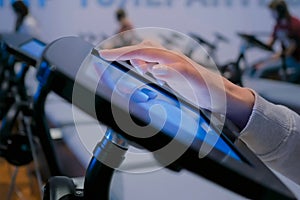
<point>268,126</point>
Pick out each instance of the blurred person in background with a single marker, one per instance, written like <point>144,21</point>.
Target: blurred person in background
<point>286,30</point>
<point>25,22</point>
<point>124,23</point>
<point>125,34</point>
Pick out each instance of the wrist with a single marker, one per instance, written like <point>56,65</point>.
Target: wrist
<point>240,103</point>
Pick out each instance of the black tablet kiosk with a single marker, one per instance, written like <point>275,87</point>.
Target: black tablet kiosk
<point>23,46</point>
<point>229,163</point>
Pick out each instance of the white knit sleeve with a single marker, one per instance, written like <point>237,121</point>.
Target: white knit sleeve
<point>273,134</point>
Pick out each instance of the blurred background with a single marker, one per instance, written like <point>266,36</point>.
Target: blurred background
<point>95,20</point>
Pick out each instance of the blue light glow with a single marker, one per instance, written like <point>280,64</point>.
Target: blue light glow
<point>34,48</point>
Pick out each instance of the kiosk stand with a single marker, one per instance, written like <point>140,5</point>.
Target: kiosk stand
<point>111,149</point>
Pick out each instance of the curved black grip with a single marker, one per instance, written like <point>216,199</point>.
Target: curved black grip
<point>97,181</point>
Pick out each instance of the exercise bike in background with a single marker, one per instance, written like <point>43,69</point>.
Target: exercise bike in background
<point>275,90</point>
<point>24,127</point>
<point>210,58</point>
<point>234,70</point>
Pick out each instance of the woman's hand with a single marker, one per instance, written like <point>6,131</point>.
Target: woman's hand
<point>205,88</point>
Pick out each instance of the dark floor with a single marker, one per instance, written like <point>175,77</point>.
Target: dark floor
<point>26,183</point>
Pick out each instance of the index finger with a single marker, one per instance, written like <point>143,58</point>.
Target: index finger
<point>148,54</point>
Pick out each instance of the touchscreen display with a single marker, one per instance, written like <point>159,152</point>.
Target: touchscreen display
<point>33,47</point>
<point>155,106</point>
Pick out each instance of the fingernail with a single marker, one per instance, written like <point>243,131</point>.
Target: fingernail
<point>102,52</point>
<point>160,82</point>
<point>160,70</point>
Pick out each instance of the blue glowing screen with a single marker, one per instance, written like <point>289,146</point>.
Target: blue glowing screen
<point>156,107</point>
<point>33,47</point>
